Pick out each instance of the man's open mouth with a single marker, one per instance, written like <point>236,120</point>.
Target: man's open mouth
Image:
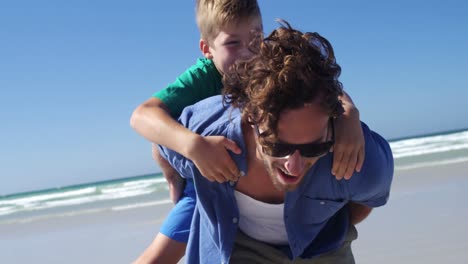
<point>286,177</point>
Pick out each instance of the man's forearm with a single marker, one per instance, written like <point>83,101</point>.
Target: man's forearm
<point>358,212</point>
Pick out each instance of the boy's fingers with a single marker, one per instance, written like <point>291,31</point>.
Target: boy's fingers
<point>224,175</point>
<point>232,177</point>
<point>231,172</point>
<point>208,175</point>
<point>337,160</point>
<point>210,178</point>
<point>217,176</point>
<point>360,160</point>
<point>220,178</point>
<point>232,146</point>
<point>223,172</point>
<point>351,164</point>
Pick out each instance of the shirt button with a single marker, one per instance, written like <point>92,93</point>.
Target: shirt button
<point>242,173</point>
<point>231,183</point>
<point>322,203</point>
<point>234,220</point>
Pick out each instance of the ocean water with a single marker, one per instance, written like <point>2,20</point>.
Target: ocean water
<point>151,190</point>
<point>120,194</point>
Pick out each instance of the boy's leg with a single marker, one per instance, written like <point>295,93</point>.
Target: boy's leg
<point>169,245</point>
<point>175,182</point>
<point>162,250</point>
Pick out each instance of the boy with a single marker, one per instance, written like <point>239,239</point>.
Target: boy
<point>226,28</point>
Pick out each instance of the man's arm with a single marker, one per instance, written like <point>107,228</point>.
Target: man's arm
<point>358,212</point>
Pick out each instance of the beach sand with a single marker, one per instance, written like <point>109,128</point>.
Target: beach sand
<point>423,222</point>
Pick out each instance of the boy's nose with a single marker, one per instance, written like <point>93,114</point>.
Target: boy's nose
<point>245,52</point>
<point>295,164</point>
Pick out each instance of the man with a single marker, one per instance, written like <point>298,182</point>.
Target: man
<point>279,107</point>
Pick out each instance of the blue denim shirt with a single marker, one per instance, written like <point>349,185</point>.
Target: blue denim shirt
<point>315,214</point>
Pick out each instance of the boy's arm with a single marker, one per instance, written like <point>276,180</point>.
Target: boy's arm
<point>348,150</point>
<point>151,119</point>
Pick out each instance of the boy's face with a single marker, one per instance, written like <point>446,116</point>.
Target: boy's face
<point>231,43</point>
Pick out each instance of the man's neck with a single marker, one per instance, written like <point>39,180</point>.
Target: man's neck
<point>257,182</point>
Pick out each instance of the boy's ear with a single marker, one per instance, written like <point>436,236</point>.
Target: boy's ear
<point>205,49</point>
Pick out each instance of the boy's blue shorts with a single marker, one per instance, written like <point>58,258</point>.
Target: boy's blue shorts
<point>177,224</point>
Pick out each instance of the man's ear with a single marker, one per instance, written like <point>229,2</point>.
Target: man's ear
<point>205,49</point>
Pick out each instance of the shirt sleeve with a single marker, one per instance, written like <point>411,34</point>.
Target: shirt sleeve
<point>371,186</point>
<point>182,165</point>
<point>198,82</point>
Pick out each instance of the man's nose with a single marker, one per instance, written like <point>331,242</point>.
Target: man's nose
<point>295,164</point>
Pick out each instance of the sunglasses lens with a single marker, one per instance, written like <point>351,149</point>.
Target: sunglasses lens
<point>316,150</point>
<point>277,150</point>
<point>280,150</point>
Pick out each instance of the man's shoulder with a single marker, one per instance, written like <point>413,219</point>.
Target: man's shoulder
<point>213,104</point>
<point>376,147</point>
<point>208,116</point>
<point>372,184</point>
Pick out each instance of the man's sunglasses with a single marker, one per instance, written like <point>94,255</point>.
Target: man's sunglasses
<point>309,150</point>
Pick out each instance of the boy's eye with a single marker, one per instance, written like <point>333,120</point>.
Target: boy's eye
<point>232,43</point>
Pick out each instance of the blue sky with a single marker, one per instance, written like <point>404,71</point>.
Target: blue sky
<point>71,73</point>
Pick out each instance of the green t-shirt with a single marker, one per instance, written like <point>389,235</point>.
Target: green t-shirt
<point>198,82</point>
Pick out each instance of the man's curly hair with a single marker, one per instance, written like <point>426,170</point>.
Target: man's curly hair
<point>289,70</point>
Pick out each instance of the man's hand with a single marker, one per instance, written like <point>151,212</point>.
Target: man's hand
<point>210,155</point>
<point>349,147</point>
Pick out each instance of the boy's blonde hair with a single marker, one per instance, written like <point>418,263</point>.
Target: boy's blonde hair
<point>213,15</point>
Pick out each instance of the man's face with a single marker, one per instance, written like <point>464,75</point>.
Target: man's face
<point>231,43</point>
<point>307,125</point>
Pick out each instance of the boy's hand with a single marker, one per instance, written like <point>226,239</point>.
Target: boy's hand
<point>348,150</point>
<point>174,180</point>
<point>210,156</point>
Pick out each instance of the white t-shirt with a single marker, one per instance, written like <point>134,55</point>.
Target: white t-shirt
<point>261,221</point>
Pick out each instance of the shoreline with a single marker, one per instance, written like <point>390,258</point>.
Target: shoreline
<point>423,222</point>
